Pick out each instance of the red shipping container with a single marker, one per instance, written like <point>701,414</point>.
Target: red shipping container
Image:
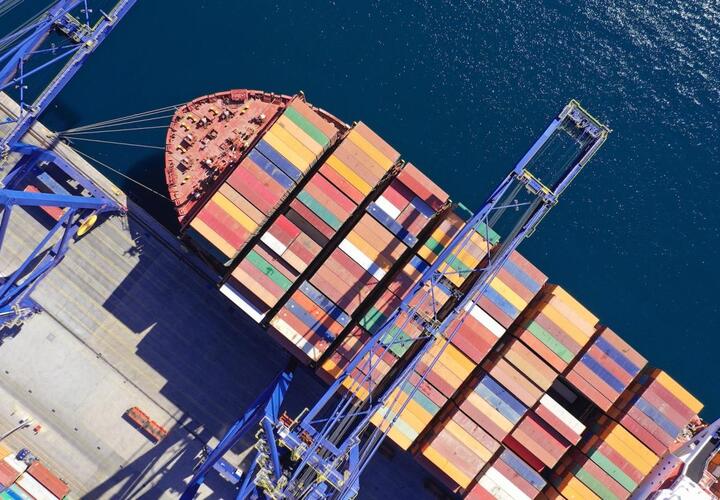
<point>313,219</point>
<point>645,436</point>
<point>597,383</point>
<point>8,475</point>
<point>330,285</point>
<point>337,197</point>
<point>326,197</point>
<point>561,427</point>
<point>50,481</point>
<point>494,311</point>
<point>515,478</point>
<point>355,158</point>
<point>283,230</point>
<point>258,187</point>
<point>580,460</point>
<point>422,186</point>
<point>588,390</point>
<point>540,439</point>
<point>528,457</point>
<point>342,183</point>
<point>224,225</point>
<point>398,194</point>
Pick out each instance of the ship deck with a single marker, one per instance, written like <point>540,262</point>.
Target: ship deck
<point>131,318</point>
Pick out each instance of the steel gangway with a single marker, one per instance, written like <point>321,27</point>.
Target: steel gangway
<point>39,177</point>
<point>322,453</point>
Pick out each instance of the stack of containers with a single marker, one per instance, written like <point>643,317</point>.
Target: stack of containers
<point>507,477</point>
<point>407,204</point>
<point>520,370</point>
<point>578,477</point>
<point>492,406</point>
<point>457,449</point>
<point>361,259</point>
<point>289,244</point>
<point>485,409</point>
<point>656,409</point>
<point>263,178</point>
<point>537,442</point>
<point>606,369</point>
<point>475,333</point>
<point>510,292</point>
<point>404,195</point>
<point>410,409</point>
<point>450,369</point>
<point>557,327</point>
<point>35,489</point>
<point>12,469</point>
<point>559,418</point>
<point>617,452</point>
<point>527,377</point>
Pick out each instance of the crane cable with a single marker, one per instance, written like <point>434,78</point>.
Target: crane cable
<point>121,174</point>
<point>4,9</point>
<point>117,143</point>
<point>125,120</point>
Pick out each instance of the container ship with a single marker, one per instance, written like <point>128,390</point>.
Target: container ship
<point>318,229</point>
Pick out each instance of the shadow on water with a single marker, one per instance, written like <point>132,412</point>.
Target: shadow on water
<point>150,169</point>
<point>65,117</point>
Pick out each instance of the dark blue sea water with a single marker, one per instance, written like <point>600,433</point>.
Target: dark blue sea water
<point>462,89</point>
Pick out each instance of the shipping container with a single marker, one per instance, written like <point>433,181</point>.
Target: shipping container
<point>534,436</point>
<point>608,365</point>
<point>410,409</point>
<point>284,153</point>
<point>33,488</point>
<point>491,406</point>
<point>656,409</point>
<point>593,477</point>
<point>508,476</point>
<point>48,479</point>
<point>457,449</point>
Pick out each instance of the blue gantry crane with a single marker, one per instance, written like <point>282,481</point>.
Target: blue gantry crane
<point>39,177</point>
<point>322,453</point>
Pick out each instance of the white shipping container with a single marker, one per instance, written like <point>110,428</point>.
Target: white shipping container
<point>243,304</point>
<point>562,414</point>
<point>34,488</point>
<point>17,465</point>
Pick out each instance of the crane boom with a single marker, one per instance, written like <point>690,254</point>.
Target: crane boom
<point>85,40</point>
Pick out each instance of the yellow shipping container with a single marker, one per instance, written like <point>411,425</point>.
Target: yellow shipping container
<point>369,251</point>
<point>215,239</point>
<point>468,440</point>
<point>293,143</point>
<point>300,135</point>
<point>565,325</point>
<point>229,208</point>
<point>677,390</point>
<point>374,153</point>
<point>574,309</point>
<point>347,173</point>
<point>491,412</point>
<point>443,463</point>
<point>572,489</point>
<point>286,151</point>
<point>508,294</point>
